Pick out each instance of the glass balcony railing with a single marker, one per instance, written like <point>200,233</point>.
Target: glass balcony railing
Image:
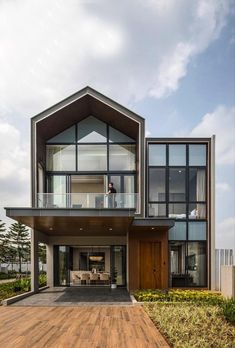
<point>88,200</point>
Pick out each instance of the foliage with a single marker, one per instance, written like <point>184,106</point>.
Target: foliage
<point>176,295</point>
<point>192,325</point>
<point>20,286</point>
<point>2,241</point>
<point>19,238</point>
<point>8,275</point>
<point>228,307</point>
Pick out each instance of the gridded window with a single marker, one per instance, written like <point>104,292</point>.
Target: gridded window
<point>122,157</point>
<point>157,209</point>
<point>177,155</point>
<point>197,155</point>
<point>60,157</point>
<point>178,231</point>
<point>196,264</point>
<point>197,211</point>
<point>197,230</point>
<point>92,157</point>
<point>177,185</point>
<point>197,184</point>
<point>157,155</point>
<point>92,130</point>
<point>157,184</point>
<point>177,210</point>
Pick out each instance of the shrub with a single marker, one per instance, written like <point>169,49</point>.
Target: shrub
<point>228,307</point>
<point>42,280</point>
<point>176,295</point>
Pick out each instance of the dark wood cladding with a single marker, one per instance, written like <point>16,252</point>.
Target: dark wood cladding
<point>136,237</point>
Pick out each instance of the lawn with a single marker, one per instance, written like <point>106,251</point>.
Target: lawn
<point>191,319</point>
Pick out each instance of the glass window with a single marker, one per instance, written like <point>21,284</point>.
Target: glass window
<point>92,157</point>
<point>92,130</point>
<point>197,211</point>
<point>177,155</point>
<point>157,184</point>
<point>178,232</point>
<point>157,155</point>
<point>60,157</point>
<point>122,157</point>
<point>157,210</point>
<point>197,231</point>
<point>177,264</point>
<point>57,186</point>
<point>197,184</point>
<point>177,211</point>
<point>197,155</point>
<point>196,264</point>
<point>67,136</point>
<point>177,184</point>
<point>117,137</point>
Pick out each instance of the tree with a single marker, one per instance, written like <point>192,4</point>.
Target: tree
<point>19,238</point>
<point>3,247</point>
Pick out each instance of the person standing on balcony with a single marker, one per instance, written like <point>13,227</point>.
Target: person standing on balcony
<point>112,193</point>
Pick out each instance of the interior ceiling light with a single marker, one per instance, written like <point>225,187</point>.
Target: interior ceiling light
<point>50,228</point>
<point>96,258</point>
<point>152,228</point>
<point>110,229</point>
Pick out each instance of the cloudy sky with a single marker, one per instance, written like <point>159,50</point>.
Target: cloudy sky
<point>171,61</point>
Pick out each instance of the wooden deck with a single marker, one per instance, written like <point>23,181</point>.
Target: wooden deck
<point>84,326</point>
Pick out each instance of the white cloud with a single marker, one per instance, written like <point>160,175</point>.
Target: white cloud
<point>225,234</point>
<point>14,166</point>
<point>222,187</point>
<point>220,122</point>
<point>127,50</point>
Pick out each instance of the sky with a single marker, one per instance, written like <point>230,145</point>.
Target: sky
<point>170,61</point>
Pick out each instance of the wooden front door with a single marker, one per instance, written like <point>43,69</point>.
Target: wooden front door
<point>150,265</point>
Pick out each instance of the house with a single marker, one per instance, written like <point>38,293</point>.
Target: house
<point>156,231</point>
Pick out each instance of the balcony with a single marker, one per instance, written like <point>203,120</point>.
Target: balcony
<point>88,200</point>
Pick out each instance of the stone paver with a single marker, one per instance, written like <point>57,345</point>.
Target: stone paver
<point>76,296</point>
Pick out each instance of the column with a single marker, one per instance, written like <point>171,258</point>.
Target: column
<point>50,265</point>
<point>34,261</point>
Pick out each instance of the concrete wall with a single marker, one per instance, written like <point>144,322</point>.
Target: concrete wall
<point>228,281</point>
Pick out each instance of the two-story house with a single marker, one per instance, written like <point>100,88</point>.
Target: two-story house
<point>156,231</point>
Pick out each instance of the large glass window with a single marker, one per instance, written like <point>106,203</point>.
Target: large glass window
<point>57,186</point>
<point>177,155</point>
<point>177,211</point>
<point>117,137</point>
<point>177,264</point>
<point>157,209</point>
<point>157,184</point>
<point>197,230</point>
<point>122,157</point>
<point>196,263</point>
<point>92,130</point>
<point>60,157</point>
<point>177,189</point>
<point>197,211</point>
<point>92,157</point>
<point>157,155</point>
<point>197,155</point>
<point>197,184</point>
<point>178,231</point>
<point>67,136</point>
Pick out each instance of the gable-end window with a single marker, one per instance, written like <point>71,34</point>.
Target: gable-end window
<point>92,157</point>
<point>92,130</point>
<point>117,137</point>
<point>122,157</point>
<point>60,157</point>
<point>67,136</point>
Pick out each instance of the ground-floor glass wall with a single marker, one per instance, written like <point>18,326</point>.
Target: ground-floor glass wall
<point>90,265</point>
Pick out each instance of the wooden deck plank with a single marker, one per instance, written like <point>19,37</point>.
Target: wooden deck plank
<point>88,326</point>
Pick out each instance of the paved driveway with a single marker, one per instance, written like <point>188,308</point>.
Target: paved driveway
<point>92,326</point>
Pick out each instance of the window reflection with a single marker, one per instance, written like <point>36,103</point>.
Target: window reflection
<point>122,157</point>
<point>157,184</point>
<point>177,155</point>
<point>92,157</point>
<point>157,155</point>
<point>197,184</point>
<point>92,130</point>
<point>197,155</point>
<point>196,263</point>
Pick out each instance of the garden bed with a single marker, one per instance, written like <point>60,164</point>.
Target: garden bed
<point>191,318</point>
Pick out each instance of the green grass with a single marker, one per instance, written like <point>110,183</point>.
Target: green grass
<point>188,325</point>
